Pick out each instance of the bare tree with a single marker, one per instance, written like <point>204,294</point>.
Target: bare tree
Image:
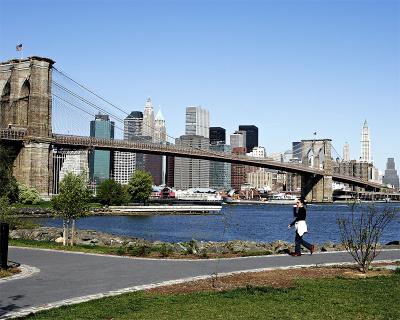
<point>361,231</point>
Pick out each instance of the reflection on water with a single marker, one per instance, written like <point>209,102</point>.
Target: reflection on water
<point>262,223</point>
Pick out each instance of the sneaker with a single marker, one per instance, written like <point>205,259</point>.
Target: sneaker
<point>312,249</point>
<point>295,254</point>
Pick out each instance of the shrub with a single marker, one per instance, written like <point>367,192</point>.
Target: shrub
<point>361,231</point>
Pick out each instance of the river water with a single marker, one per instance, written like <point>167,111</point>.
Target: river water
<point>261,223</point>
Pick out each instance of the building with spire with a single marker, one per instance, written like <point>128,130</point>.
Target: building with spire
<point>160,130</point>
<point>346,152</point>
<point>366,155</point>
<point>148,119</point>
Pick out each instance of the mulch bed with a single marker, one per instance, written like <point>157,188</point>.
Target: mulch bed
<point>273,278</point>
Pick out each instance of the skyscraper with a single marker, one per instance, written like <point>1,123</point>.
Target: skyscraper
<point>133,125</point>
<point>391,176</point>
<point>160,130</point>
<point>148,119</point>
<point>125,163</point>
<point>100,161</point>
<point>251,136</point>
<point>220,172</point>
<point>238,139</point>
<point>192,173</point>
<point>346,152</point>
<point>197,121</point>
<point>366,155</point>
<point>217,135</point>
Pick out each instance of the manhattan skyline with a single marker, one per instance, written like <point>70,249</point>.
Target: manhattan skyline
<point>290,68</point>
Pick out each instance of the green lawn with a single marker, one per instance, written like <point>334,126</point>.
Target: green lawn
<point>373,298</point>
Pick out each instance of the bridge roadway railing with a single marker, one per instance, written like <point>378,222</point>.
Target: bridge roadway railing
<point>179,151</point>
<point>12,134</point>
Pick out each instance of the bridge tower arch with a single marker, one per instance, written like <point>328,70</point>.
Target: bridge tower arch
<point>317,154</point>
<point>25,87</point>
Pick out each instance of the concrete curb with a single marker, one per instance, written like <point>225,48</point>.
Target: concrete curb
<point>57,304</point>
<point>26,271</point>
<point>191,260</point>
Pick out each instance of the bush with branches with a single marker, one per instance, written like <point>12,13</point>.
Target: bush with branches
<point>361,231</point>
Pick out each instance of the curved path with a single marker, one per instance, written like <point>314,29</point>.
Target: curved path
<point>67,277</point>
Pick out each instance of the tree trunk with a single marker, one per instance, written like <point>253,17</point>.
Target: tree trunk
<point>73,232</point>
<point>64,232</point>
<point>67,233</point>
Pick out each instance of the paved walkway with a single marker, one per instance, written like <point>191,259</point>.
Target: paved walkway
<point>67,277</point>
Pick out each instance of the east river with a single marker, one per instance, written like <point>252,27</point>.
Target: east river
<point>261,223</point>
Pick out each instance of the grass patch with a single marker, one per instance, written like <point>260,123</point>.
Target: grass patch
<point>134,251</point>
<point>57,246</point>
<point>371,298</point>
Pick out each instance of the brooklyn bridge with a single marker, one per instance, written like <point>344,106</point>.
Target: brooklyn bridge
<point>26,124</point>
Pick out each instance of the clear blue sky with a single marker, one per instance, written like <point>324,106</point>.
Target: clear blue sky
<point>289,67</point>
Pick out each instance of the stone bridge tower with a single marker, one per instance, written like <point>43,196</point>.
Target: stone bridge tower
<point>317,154</point>
<point>25,87</point>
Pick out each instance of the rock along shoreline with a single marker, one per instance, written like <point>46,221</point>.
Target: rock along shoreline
<point>141,247</point>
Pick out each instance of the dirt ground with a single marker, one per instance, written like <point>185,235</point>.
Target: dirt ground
<point>274,278</point>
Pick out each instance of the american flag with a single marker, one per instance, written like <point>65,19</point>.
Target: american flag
<point>19,47</point>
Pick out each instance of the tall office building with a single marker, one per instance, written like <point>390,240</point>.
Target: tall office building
<point>220,172</point>
<point>391,176</point>
<point>251,136</point>
<point>192,173</point>
<point>100,162</point>
<point>366,155</point>
<point>238,139</point>
<point>217,135</point>
<point>133,125</point>
<point>125,163</point>
<point>148,119</point>
<point>346,152</point>
<point>160,130</point>
<point>238,171</point>
<point>197,121</point>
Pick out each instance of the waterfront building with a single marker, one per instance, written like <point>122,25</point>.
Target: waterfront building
<point>260,179</point>
<point>251,136</point>
<point>366,155</point>
<point>391,177</point>
<point>217,135</point>
<point>192,173</point>
<point>346,152</point>
<point>148,120</point>
<point>197,121</point>
<point>100,162</point>
<point>124,166</point>
<point>220,172</point>
<point>238,139</point>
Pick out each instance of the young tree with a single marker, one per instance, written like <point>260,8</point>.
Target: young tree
<point>361,232</point>
<point>6,211</point>
<point>140,186</point>
<point>72,202</point>
<point>8,184</point>
<point>110,192</point>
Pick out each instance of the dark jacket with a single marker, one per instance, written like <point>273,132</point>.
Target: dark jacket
<point>299,214</point>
